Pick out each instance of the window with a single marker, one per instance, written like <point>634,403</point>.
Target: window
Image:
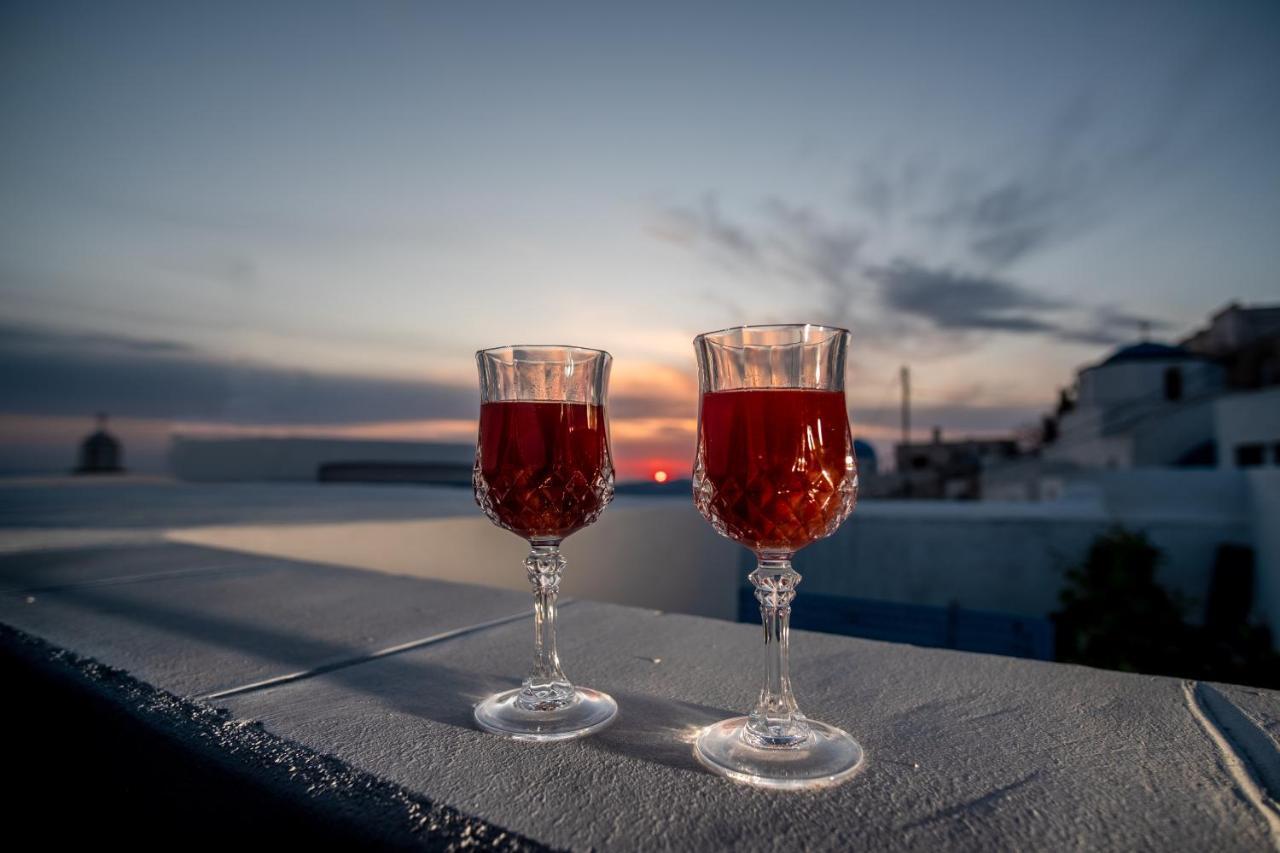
<point>1249,455</point>
<point>1173,383</point>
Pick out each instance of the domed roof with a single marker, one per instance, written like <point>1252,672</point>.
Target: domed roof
<point>1148,351</point>
<point>100,452</point>
<point>863,450</point>
<point>100,439</point>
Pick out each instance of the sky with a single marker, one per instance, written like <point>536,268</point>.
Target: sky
<point>303,219</point>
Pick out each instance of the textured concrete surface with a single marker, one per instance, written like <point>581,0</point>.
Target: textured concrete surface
<point>152,767</point>
<point>965,752</point>
<point>195,620</point>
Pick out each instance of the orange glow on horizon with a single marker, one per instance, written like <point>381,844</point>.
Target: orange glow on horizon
<point>660,476</point>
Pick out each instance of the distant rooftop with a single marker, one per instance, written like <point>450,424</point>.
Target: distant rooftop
<point>1148,351</point>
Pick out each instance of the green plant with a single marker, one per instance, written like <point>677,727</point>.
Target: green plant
<point>1116,615</point>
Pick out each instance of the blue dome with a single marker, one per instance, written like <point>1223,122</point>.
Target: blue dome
<point>1148,351</point>
<point>865,454</point>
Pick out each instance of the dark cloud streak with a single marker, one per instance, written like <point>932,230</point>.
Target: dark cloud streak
<point>959,302</point>
<point>952,300</point>
<point>904,301</point>
<point>52,372</point>
<point>48,372</point>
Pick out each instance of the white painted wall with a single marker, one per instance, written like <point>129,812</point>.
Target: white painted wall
<point>1122,419</point>
<point>1172,493</point>
<point>1164,437</point>
<point>1264,497</point>
<point>1081,442</point>
<point>274,459</point>
<point>1005,557</point>
<point>1246,418</point>
<point>1111,385</point>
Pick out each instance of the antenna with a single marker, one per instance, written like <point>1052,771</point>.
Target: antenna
<point>906,404</point>
<point>906,426</point>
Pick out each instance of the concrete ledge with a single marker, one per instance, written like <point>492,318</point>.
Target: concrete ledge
<point>196,621</point>
<point>966,751</point>
<point>174,766</point>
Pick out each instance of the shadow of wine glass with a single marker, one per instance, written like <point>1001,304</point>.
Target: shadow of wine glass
<point>648,728</point>
<point>657,730</point>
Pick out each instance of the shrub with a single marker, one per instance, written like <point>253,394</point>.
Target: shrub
<point>1116,615</point>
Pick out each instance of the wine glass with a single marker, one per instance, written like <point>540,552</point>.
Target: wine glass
<point>543,471</point>
<point>775,471</point>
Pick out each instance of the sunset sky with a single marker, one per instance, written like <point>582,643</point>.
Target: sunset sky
<point>305,218</point>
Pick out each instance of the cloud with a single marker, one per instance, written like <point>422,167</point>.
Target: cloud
<point>1086,161</point>
<point>885,421</point>
<point>236,270</point>
<point>929,297</point>
<point>807,247</point>
<point>920,259</point>
<point>792,240</point>
<point>1009,221</point>
<point>703,225</point>
<point>785,241</point>
<point>952,300</point>
<point>1005,213</point>
<point>53,372</point>
<point>961,302</point>
<point>1108,326</point>
<point>904,303</point>
<point>37,341</point>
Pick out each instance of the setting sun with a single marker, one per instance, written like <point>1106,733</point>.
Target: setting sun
<point>660,476</point>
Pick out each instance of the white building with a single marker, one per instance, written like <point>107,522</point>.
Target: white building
<point>1180,442</point>
<point>1246,426</point>
<point>208,459</point>
<point>1145,405</point>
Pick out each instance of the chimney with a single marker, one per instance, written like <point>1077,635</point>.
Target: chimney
<point>937,435</point>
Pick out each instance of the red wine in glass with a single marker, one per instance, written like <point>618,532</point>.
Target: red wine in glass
<point>546,466</point>
<point>776,461</point>
<point>543,471</point>
<point>775,471</point>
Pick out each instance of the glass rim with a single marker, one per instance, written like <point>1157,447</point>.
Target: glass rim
<point>569,347</point>
<point>709,336</point>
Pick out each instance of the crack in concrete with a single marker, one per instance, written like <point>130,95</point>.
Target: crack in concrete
<point>1248,753</point>
<point>355,660</point>
<point>120,580</point>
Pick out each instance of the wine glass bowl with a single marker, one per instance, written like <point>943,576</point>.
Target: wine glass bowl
<point>543,471</point>
<point>775,470</point>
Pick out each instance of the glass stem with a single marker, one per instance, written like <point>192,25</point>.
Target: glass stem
<point>546,687</point>
<point>776,721</point>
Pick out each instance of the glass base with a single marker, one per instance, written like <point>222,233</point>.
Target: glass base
<point>829,757</point>
<point>588,711</point>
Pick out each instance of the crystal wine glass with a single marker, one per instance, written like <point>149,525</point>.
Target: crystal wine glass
<point>543,471</point>
<point>775,471</point>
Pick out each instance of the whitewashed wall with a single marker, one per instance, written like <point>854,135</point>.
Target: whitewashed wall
<point>1248,417</point>
<point>1006,557</point>
<point>1264,494</point>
